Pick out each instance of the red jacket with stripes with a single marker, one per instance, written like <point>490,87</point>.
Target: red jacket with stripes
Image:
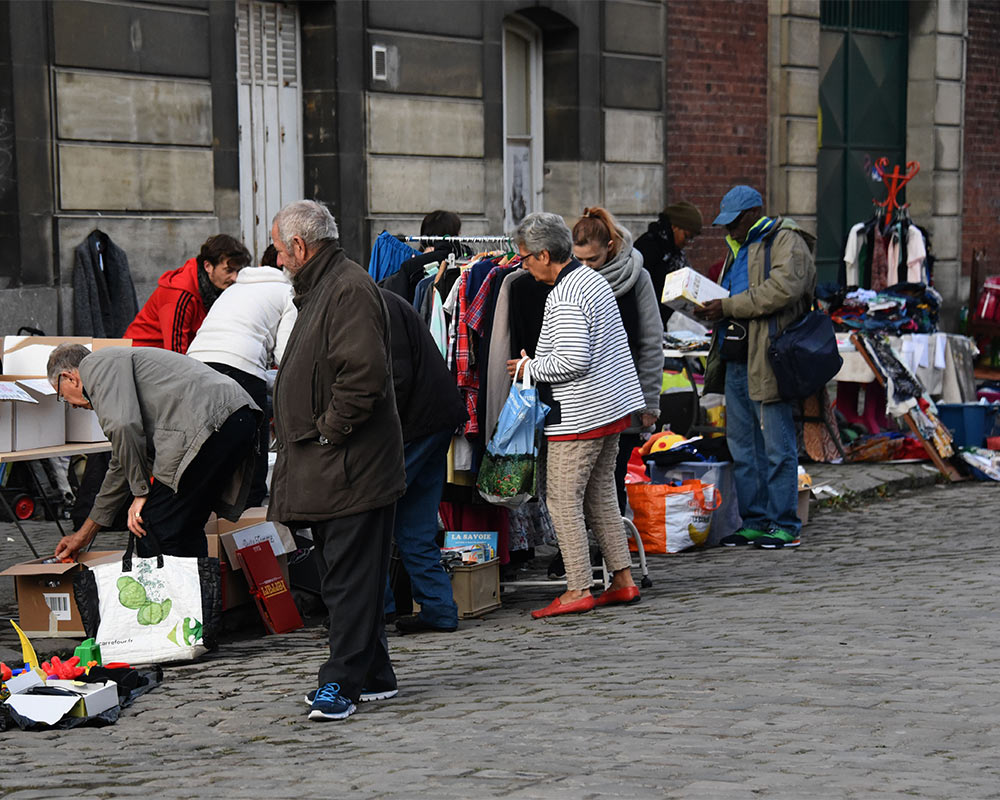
<point>173,313</point>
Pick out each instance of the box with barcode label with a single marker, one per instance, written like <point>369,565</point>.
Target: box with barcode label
<point>46,605</point>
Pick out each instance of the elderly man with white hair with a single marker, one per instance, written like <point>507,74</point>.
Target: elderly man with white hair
<point>340,450</point>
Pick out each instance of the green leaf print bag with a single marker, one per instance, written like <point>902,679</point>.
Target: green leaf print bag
<point>151,610</point>
<point>507,474</point>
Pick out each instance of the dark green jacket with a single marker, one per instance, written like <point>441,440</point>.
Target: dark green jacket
<point>786,295</point>
<point>335,382</point>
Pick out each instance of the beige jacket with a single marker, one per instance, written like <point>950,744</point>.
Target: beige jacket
<point>786,294</point>
<point>157,408</point>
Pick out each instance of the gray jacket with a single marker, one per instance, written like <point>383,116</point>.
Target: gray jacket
<point>157,408</point>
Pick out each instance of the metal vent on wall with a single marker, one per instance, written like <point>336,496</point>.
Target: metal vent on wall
<point>380,70</point>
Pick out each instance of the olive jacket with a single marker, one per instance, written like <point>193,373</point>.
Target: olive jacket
<point>340,449</point>
<point>786,294</point>
<point>157,408</point>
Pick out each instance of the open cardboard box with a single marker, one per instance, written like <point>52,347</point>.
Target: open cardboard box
<point>79,700</point>
<point>225,538</point>
<point>33,416</point>
<point>46,605</point>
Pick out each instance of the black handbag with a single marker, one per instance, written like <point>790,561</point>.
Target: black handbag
<point>804,356</point>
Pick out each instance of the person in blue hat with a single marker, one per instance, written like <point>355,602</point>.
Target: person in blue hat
<point>760,426</point>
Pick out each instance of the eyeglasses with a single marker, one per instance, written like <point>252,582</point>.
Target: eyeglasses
<point>59,396</point>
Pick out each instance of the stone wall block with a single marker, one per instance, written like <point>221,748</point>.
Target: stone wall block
<point>427,127</point>
<point>400,185</point>
<point>950,57</point>
<point>948,105</point>
<point>633,189</point>
<point>633,136</point>
<point>947,194</point>
<point>135,178</point>
<point>799,42</point>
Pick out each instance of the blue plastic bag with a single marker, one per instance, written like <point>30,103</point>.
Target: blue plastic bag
<point>507,475</point>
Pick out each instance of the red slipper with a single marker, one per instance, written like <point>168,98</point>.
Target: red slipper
<point>618,597</point>
<point>555,607</point>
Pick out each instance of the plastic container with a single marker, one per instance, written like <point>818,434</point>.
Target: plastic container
<point>726,518</point>
<point>966,421</point>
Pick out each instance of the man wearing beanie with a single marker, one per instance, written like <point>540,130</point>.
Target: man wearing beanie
<point>662,245</point>
<point>771,277</point>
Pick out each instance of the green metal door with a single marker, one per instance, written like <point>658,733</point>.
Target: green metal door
<point>862,107</point>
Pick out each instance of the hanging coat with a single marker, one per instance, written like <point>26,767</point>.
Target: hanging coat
<point>104,300</point>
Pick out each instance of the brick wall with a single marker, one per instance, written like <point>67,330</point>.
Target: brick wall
<point>716,107</point>
<point>981,201</point>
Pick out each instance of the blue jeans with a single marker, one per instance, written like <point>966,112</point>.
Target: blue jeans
<point>416,531</point>
<point>761,438</point>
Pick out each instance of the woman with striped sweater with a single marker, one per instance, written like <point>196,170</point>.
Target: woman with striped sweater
<point>583,355</point>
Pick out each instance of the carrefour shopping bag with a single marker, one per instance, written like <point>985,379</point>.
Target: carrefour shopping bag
<point>507,475</point>
<point>151,610</point>
<point>672,518</point>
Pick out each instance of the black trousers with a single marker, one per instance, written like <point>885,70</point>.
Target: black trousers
<point>177,520</point>
<point>353,559</point>
<point>257,389</point>
<point>627,442</point>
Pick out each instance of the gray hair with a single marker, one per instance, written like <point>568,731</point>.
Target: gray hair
<point>544,231</point>
<point>307,219</point>
<point>64,358</point>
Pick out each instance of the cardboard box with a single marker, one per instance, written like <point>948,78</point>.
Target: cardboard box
<point>77,700</point>
<point>476,588</point>
<point>29,355</point>
<point>82,425</point>
<point>685,290</point>
<point>39,421</point>
<point>46,605</point>
<point>804,497</point>
<point>6,425</point>
<point>235,591</point>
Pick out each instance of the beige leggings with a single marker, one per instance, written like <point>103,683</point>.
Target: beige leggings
<point>580,489</point>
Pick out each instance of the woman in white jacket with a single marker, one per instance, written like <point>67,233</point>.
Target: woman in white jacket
<point>243,336</point>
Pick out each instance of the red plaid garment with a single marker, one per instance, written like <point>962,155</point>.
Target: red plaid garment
<point>465,373</point>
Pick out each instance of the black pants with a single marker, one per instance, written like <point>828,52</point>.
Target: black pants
<point>257,389</point>
<point>177,519</point>
<point>353,559</point>
<point>627,442</point>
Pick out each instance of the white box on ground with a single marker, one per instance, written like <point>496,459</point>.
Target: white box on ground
<point>685,290</point>
<point>79,700</point>
<point>82,425</point>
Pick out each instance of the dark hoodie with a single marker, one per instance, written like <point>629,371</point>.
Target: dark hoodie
<point>173,313</point>
<point>660,256</point>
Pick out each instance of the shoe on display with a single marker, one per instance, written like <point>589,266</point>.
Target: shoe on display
<point>414,624</point>
<point>626,596</point>
<point>555,608</point>
<point>742,537</point>
<point>777,539</point>
<point>329,704</point>
<point>367,695</point>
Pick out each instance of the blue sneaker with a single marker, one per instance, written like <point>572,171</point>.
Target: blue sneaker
<point>329,704</point>
<point>367,695</point>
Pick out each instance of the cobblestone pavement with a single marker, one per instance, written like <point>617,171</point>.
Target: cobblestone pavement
<point>861,665</point>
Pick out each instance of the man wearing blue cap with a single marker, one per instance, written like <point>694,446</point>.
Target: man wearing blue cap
<point>760,427</point>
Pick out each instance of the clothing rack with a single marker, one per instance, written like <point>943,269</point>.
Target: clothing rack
<point>507,241</point>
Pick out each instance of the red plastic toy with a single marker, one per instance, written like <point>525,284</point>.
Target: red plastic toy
<point>5,673</point>
<point>65,670</point>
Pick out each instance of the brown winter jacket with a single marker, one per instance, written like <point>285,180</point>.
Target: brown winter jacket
<point>786,294</point>
<point>335,382</point>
